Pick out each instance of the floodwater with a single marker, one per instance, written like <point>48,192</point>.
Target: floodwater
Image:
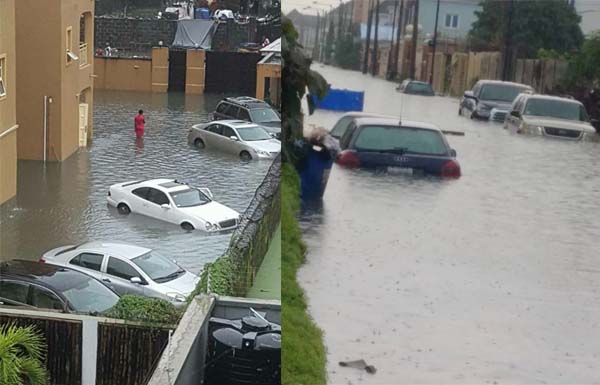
<point>65,203</point>
<point>491,278</point>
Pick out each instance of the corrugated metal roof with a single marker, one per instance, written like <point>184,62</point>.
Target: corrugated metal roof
<point>273,47</point>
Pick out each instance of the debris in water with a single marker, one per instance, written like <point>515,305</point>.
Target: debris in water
<point>359,364</point>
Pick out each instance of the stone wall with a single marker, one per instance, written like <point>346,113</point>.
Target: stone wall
<point>132,36</point>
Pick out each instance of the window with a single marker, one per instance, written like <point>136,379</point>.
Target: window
<point>221,108</point>
<point>141,192</point>
<point>252,133</point>
<point>2,76</point>
<point>228,132</point>
<point>14,291</point>
<point>340,127</point>
<point>69,45</point>
<point>45,299</point>
<point>216,128</point>
<point>233,112</point>
<point>88,260</point>
<point>157,197</point>
<point>120,269</point>
<point>451,21</point>
<point>395,138</point>
<point>345,140</point>
<point>243,114</point>
<point>189,198</point>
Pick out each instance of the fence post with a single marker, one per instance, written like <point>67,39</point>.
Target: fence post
<point>89,351</point>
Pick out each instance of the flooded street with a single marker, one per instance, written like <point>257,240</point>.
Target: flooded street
<point>65,203</point>
<point>491,278</point>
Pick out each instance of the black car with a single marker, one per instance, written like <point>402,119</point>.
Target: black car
<point>251,110</point>
<point>415,87</point>
<point>32,284</point>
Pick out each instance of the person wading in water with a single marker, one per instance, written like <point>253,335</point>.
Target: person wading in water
<point>139,124</point>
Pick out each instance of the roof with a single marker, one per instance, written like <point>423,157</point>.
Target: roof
<point>552,97</point>
<point>45,274</point>
<point>389,121</point>
<point>119,249</point>
<point>273,47</point>
<point>486,81</point>
<point>235,123</point>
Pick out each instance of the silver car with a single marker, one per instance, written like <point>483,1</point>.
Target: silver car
<point>247,140</point>
<point>127,269</point>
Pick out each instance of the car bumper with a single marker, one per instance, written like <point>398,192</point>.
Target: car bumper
<point>270,155</point>
<point>498,115</point>
<point>111,201</point>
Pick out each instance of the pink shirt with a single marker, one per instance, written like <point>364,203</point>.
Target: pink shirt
<point>139,122</point>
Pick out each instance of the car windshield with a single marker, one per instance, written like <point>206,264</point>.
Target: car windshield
<point>341,126</point>
<point>420,88</point>
<point>190,197</point>
<point>90,296</point>
<point>264,115</point>
<point>159,268</point>
<point>555,109</point>
<point>500,92</point>
<point>253,133</point>
<point>404,139</point>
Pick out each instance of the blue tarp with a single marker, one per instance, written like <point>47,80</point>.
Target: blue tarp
<point>341,100</point>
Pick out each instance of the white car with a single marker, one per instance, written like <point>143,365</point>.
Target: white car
<point>244,139</point>
<point>174,202</point>
<point>127,269</point>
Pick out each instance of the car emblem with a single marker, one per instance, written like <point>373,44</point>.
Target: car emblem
<point>401,159</point>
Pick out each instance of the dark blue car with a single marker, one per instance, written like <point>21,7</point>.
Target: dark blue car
<point>388,144</point>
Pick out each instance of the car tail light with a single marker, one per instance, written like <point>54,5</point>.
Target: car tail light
<point>450,169</point>
<point>348,158</point>
<point>42,260</point>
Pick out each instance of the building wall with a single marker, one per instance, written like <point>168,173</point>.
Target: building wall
<point>123,74</point>
<point>464,9</point>
<point>132,35</point>
<point>8,118</point>
<point>41,33</point>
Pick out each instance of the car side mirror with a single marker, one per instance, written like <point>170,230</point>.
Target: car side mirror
<point>469,95</point>
<point>207,192</point>
<point>136,280</point>
<point>165,206</point>
<point>516,114</point>
<point>233,137</point>
<point>453,153</point>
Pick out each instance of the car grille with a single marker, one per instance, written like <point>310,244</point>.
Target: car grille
<point>499,116</point>
<point>563,132</point>
<point>228,223</point>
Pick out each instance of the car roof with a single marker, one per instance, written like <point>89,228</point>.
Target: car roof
<point>51,276</point>
<point>236,123</point>
<point>359,114</point>
<point>388,121</point>
<point>114,248</point>
<point>501,82</point>
<point>552,97</point>
<point>247,102</point>
<point>419,82</point>
<point>169,185</point>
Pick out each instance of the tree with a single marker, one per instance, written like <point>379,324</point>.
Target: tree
<point>22,352</point>
<point>347,52</point>
<point>298,78</point>
<point>584,68</point>
<point>329,42</point>
<point>548,24</point>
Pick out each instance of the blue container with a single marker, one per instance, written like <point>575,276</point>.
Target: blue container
<point>202,13</point>
<point>315,174</point>
<point>341,100</point>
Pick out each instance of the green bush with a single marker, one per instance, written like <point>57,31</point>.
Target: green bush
<point>147,310</point>
<point>22,352</point>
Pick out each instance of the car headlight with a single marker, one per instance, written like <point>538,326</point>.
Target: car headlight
<point>176,297</point>
<point>211,227</point>
<point>538,129</point>
<point>263,153</point>
<point>483,107</point>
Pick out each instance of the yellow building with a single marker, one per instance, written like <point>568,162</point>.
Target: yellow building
<point>54,72</point>
<point>8,119</point>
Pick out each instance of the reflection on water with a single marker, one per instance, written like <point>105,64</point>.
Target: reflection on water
<point>492,277</point>
<point>65,203</point>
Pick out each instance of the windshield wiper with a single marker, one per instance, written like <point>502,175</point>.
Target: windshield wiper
<point>170,276</point>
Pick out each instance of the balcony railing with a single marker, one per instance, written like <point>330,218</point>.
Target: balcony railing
<point>83,54</point>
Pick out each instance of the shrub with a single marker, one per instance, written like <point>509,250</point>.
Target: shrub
<point>143,309</point>
<point>22,352</point>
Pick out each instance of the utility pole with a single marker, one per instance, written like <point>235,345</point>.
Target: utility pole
<point>391,51</point>
<point>316,47</point>
<point>413,56</point>
<point>507,43</point>
<point>437,14</point>
<point>398,38</point>
<point>368,42</point>
<point>375,60</point>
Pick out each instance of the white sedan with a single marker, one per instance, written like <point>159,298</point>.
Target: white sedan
<point>246,140</point>
<point>127,269</point>
<point>174,202</point>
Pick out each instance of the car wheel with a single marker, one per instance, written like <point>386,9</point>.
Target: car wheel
<point>123,209</point>
<point>245,156</point>
<point>474,115</point>
<point>459,111</point>
<point>199,143</point>
<point>187,226</point>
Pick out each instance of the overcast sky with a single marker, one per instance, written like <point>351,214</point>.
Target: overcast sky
<point>288,5</point>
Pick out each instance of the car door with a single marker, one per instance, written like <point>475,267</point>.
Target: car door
<point>243,114</point>
<point>221,111</point>
<point>513,121</point>
<point>213,135</point>
<point>155,209</point>
<point>42,298</point>
<point>139,199</point>
<point>88,262</point>
<point>13,293</point>
<point>119,273</point>
<point>232,146</point>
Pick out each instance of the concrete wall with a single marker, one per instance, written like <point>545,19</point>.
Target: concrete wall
<point>41,33</point>
<point>8,117</point>
<point>136,36</point>
<point>123,74</point>
<point>272,71</point>
<point>160,69</point>
<point>195,71</point>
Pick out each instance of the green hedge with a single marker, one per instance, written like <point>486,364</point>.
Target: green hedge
<point>144,309</point>
<point>303,352</point>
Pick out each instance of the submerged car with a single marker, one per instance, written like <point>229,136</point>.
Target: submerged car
<point>32,284</point>
<point>388,144</point>
<point>550,116</point>
<point>127,269</point>
<point>246,140</point>
<point>251,110</point>
<point>491,99</point>
<point>415,87</point>
<point>174,202</point>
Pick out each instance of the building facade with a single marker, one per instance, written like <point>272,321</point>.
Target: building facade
<point>8,98</point>
<point>55,63</point>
